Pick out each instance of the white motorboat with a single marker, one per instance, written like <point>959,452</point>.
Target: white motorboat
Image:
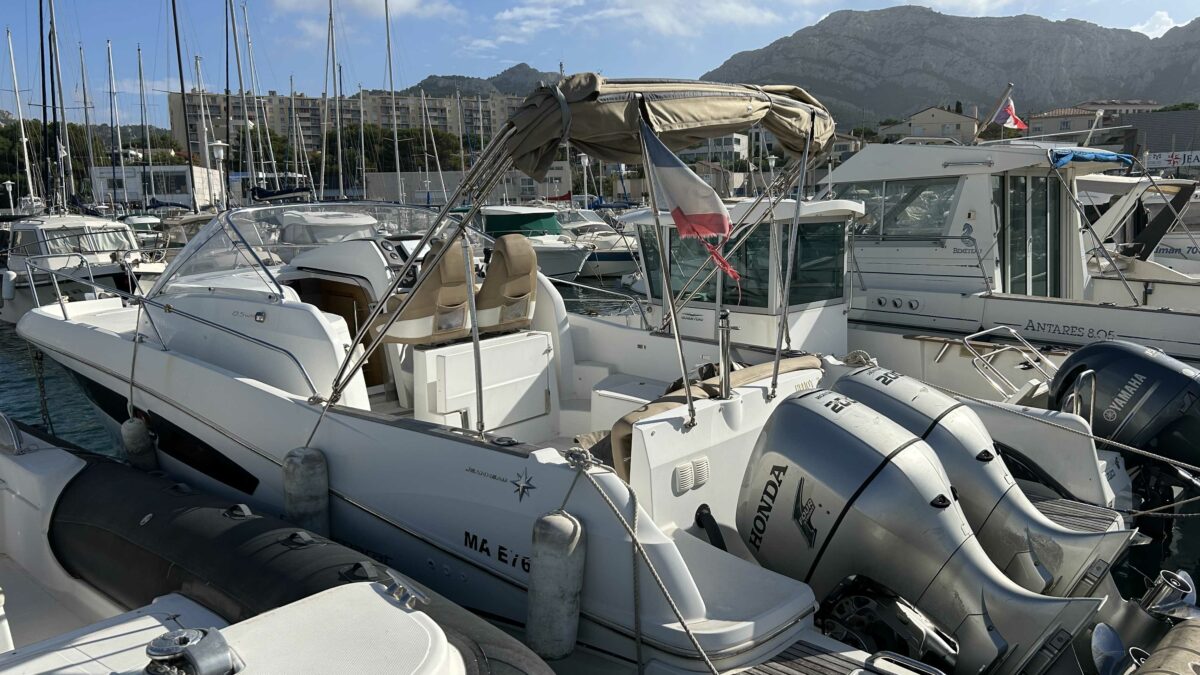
<point>86,249</point>
<point>449,417</point>
<point>614,253</point>
<point>168,580</point>
<point>559,256</point>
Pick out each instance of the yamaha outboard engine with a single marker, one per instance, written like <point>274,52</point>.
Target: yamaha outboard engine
<point>834,489</point>
<point>1144,398</point>
<point>1031,549</point>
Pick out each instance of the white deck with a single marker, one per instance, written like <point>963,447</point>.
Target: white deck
<point>32,613</point>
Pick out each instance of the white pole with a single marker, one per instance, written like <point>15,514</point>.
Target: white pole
<point>204,137</point>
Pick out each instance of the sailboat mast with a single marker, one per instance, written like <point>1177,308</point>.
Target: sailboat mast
<point>481,141</point>
<point>187,134</point>
<point>437,163</point>
<point>254,87</point>
<point>212,200</point>
<point>47,180</point>
<point>64,130</point>
<point>115,120</point>
<point>87,124</point>
<point>20,119</point>
<point>248,146</point>
<point>325,107</point>
<point>462,154</point>
<point>149,164</point>
<point>293,161</point>
<point>392,87</point>
<point>337,102</point>
<point>362,139</point>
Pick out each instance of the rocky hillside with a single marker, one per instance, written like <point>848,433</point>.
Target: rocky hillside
<point>867,65</point>
<point>517,81</point>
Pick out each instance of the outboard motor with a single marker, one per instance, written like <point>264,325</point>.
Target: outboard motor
<point>1031,549</point>
<point>834,489</point>
<point>1144,398</point>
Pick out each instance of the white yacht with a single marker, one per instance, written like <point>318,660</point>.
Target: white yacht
<point>456,421</point>
<point>614,253</point>
<point>169,580</point>
<point>559,256</point>
<point>961,240</point>
<point>88,251</point>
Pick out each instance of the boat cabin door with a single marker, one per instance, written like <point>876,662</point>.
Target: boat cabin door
<point>1028,209</point>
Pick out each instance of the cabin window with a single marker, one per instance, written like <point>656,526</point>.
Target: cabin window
<point>818,272</point>
<point>25,242</point>
<point>913,209</point>
<point>112,239</point>
<point>918,208</point>
<point>60,241</point>
<point>1030,212</point>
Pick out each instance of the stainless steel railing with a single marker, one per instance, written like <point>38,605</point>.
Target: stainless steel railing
<point>984,364</point>
<point>628,297</point>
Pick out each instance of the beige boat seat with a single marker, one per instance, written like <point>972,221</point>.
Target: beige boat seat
<point>438,310</point>
<point>619,444</point>
<point>505,301</point>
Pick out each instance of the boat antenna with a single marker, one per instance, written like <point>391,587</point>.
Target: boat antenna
<point>187,132</point>
<point>20,120</point>
<point>237,54</point>
<point>149,163</point>
<point>66,170</point>
<point>338,90</point>
<point>212,200</point>
<point>115,120</point>
<point>254,86</point>
<point>387,17</point>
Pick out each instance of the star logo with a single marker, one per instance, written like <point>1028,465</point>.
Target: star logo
<point>523,484</point>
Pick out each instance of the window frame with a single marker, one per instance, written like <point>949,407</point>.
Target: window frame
<point>881,237</point>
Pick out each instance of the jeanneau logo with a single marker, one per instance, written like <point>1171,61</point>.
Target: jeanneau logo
<point>523,484</point>
<point>1122,398</point>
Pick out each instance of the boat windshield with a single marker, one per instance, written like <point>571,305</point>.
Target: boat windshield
<point>248,244</point>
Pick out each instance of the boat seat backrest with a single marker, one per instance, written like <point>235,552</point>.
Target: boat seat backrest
<point>505,301</point>
<point>437,312</point>
<point>620,441</point>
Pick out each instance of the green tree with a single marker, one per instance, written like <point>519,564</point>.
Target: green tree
<point>1179,106</point>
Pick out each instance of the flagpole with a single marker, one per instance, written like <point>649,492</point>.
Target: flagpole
<point>995,111</point>
<point>668,298</point>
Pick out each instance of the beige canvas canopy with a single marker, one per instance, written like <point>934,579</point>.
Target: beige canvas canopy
<point>601,117</point>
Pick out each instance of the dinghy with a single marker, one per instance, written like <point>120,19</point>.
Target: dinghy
<point>109,569</point>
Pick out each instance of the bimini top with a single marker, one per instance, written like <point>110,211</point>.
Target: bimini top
<point>601,117</point>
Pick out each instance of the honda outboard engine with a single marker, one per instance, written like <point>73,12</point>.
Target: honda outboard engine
<point>834,489</point>
<point>1144,398</point>
<point>1031,549</point>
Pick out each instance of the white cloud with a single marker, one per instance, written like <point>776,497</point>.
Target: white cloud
<point>680,17</point>
<point>1159,22</point>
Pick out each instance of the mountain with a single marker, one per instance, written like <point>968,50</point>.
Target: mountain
<point>867,65</point>
<point>518,80</point>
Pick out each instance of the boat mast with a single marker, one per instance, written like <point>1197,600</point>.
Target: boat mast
<point>248,146</point>
<point>325,102</point>
<point>254,87</point>
<point>65,130</point>
<point>212,200</point>
<point>47,185</point>
<point>21,120</point>
<point>87,125</point>
<point>149,164</point>
<point>187,133</point>
<point>115,120</point>
<point>337,102</point>
<point>481,143</point>
<point>462,154</point>
<point>293,162</point>
<point>392,87</point>
<point>362,139</point>
<point>437,163</point>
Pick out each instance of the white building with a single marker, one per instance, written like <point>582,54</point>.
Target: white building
<point>725,149</point>
<point>934,123</point>
<point>132,185</point>
<point>422,188</point>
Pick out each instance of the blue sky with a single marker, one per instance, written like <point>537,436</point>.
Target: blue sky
<point>672,38</point>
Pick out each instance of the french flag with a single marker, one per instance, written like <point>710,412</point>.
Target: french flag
<point>694,205</point>
<point>1006,116</point>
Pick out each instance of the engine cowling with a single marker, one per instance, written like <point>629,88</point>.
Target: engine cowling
<point>834,489</point>
<point>1144,398</point>
<point>1032,550</point>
